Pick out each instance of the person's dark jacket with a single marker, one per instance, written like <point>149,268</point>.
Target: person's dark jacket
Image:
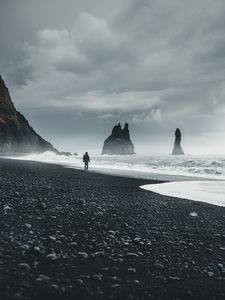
<point>86,158</point>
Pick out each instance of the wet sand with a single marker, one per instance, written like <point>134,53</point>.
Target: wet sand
<point>69,234</point>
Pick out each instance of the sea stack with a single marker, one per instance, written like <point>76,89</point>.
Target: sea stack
<point>16,135</point>
<point>119,142</point>
<point>177,150</point>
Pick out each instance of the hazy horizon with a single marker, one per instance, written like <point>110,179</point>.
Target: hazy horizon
<point>77,68</point>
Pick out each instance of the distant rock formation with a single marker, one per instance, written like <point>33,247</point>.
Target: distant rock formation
<point>16,135</point>
<point>65,153</point>
<point>118,143</point>
<point>177,150</point>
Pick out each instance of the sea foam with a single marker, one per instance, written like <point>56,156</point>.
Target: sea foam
<point>207,166</point>
<point>193,169</point>
<point>212,192</point>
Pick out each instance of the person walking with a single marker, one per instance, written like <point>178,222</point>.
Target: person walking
<point>86,160</point>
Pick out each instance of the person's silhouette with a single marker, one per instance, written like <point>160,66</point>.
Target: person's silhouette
<point>86,160</point>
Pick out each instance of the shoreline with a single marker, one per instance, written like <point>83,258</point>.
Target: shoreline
<point>132,173</point>
<point>127,168</point>
<point>174,185</point>
<point>69,234</point>
<point>211,192</point>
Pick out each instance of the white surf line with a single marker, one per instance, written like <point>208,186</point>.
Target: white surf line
<point>212,192</point>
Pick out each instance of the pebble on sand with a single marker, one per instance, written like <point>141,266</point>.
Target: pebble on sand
<point>193,214</point>
<point>24,267</point>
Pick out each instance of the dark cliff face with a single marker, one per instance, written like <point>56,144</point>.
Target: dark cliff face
<point>119,143</point>
<point>177,150</point>
<point>16,135</point>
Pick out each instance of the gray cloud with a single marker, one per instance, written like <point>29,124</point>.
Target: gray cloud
<point>158,64</point>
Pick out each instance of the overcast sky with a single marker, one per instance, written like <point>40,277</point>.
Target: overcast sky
<point>76,67</point>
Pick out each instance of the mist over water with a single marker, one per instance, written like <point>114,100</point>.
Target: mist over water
<point>205,166</point>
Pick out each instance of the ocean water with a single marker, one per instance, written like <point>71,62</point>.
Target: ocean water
<point>204,166</point>
<point>194,177</point>
<point>212,192</point>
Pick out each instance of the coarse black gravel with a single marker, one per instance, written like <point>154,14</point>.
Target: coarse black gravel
<point>70,234</point>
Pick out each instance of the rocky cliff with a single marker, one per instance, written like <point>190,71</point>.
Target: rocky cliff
<point>119,143</point>
<point>16,135</point>
<point>177,150</point>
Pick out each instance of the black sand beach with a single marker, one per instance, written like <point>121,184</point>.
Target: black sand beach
<point>69,234</point>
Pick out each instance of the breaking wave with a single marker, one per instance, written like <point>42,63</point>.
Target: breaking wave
<point>205,166</point>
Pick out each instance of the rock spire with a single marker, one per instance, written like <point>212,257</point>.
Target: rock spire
<point>177,150</point>
<point>119,142</point>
